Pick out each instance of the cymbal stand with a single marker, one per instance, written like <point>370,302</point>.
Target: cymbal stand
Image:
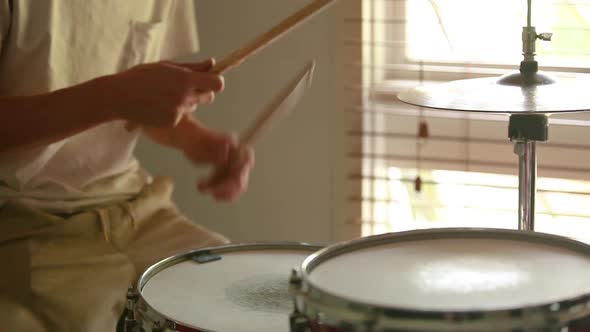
<point>525,130</point>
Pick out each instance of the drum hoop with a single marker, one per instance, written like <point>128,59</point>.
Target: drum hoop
<point>561,311</point>
<point>178,258</point>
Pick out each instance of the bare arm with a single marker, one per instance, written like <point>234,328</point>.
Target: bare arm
<point>43,119</point>
<point>156,94</point>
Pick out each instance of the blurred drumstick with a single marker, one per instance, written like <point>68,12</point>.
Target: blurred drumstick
<point>270,36</point>
<point>283,103</point>
<point>280,106</point>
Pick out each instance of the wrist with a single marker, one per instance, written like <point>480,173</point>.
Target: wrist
<point>99,97</point>
<point>174,137</point>
<point>84,101</point>
<point>180,135</point>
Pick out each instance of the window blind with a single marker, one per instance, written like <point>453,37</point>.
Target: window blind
<point>394,45</point>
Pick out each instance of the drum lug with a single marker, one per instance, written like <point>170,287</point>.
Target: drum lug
<point>167,326</point>
<point>157,327</point>
<point>297,320</point>
<point>295,283</point>
<point>131,324</point>
<point>295,279</point>
<point>171,326</point>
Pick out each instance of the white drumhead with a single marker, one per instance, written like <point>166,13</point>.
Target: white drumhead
<point>244,291</point>
<point>456,274</point>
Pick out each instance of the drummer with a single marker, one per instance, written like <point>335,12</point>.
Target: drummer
<point>80,219</point>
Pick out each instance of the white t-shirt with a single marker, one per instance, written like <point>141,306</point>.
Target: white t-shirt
<point>53,44</point>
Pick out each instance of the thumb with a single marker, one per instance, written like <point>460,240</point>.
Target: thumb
<point>204,66</point>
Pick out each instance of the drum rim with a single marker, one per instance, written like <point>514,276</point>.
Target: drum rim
<point>234,247</point>
<point>310,293</point>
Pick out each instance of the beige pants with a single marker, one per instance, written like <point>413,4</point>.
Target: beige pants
<point>71,274</point>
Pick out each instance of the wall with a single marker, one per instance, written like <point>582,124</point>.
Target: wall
<point>295,191</point>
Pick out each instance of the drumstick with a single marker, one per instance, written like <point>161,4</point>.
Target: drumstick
<point>283,103</point>
<point>238,56</point>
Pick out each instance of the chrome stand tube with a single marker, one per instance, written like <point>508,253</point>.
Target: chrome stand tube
<point>525,131</point>
<point>527,178</point>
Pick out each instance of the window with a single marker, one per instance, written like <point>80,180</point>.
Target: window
<point>488,32</point>
<point>466,163</point>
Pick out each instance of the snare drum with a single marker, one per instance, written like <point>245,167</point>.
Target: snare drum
<point>228,288</point>
<point>445,280</point>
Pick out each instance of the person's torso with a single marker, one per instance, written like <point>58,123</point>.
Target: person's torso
<point>53,44</point>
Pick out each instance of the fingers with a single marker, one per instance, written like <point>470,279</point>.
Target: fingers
<point>231,179</point>
<point>202,88</point>
<point>233,187</point>
<point>229,191</point>
<point>203,98</point>
<point>202,81</point>
<point>202,78</point>
<point>202,84</point>
<point>204,66</point>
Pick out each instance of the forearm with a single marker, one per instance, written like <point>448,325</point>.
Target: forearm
<point>43,119</point>
<point>154,94</point>
<point>198,143</point>
<point>176,137</point>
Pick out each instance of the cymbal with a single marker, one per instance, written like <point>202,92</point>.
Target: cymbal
<point>512,93</point>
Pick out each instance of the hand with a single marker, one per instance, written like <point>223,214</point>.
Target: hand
<point>160,94</point>
<point>231,163</point>
<point>230,179</point>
